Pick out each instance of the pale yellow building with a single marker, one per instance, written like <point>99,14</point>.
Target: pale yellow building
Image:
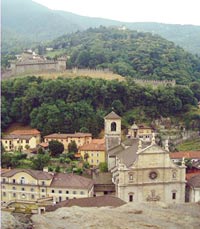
<point>32,185</point>
<point>141,131</point>
<point>21,140</point>
<point>65,139</point>
<point>94,152</point>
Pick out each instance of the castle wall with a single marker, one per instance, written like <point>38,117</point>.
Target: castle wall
<point>19,68</point>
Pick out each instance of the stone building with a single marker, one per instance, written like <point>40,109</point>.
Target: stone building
<point>29,62</point>
<point>143,171</point>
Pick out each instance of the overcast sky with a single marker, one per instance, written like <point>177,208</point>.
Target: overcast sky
<point>166,11</point>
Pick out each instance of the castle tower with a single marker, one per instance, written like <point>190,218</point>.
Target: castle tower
<point>112,124</point>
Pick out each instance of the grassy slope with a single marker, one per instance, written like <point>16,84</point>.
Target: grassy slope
<point>189,145</point>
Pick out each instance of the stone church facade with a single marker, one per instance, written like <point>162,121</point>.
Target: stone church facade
<point>143,171</point>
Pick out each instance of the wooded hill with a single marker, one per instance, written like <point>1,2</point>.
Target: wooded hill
<point>80,104</point>
<point>25,22</point>
<point>129,53</point>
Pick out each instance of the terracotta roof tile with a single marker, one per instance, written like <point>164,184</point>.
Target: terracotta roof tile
<point>94,146</point>
<point>194,181</point>
<point>26,132</point>
<point>76,135</point>
<point>185,154</point>
<point>190,175</point>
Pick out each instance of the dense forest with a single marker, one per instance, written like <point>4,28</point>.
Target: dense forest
<point>69,105</point>
<point>25,22</point>
<point>129,53</point>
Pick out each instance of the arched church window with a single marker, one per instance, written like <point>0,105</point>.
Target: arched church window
<point>113,126</point>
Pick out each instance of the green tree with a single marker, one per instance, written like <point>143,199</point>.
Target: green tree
<point>72,147</point>
<point>40,161</point>
<point>56,148</point>
<point>103,167</point>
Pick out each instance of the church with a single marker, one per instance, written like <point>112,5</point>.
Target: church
<point>142,171</point>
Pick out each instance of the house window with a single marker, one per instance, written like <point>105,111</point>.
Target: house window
<point>67,192</point>
<point>60,198</point>
<point>32,189</point>
<point>5,141</point>
<point>174,174</point>
<point>74,192</point>
<point>67,198</point>
<point>52,191</point>
<point>22,181</point>
<point>14,181</point>
<point>82,193</point>
<point>18,141</point>
<point>27,141</point>
<point>14,194</point>
<point>23,189</point>
<point>43,183</point>
<point>32,196</point>
<point>113,126</point>
<point>97,161</point>
<point>4,193</point>
<point>23,196</point>
<point>14,188</point>
<point>60,191</point>
<point>173,195</point>
<point>4,180</point>
<point>3,187</point>
<point>43,190</point>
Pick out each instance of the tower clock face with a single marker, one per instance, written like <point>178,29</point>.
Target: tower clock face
<point>153,175</point>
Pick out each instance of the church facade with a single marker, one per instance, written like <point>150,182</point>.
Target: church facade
<point>143,171</point>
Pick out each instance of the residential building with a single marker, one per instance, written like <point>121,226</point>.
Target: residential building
<point>194,156</point>
<point>32,185</point>
<point>79,138</point>
<point>94,152</point>
<point>143,171</point>
<point>141,131</point>
<point>21,140</point>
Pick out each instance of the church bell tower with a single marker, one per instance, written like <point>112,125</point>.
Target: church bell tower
<point>112,123</point>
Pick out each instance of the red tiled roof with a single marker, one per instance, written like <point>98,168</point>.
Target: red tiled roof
<point>185,154</point>
<point>26,132</point>
<point>190,175</point>
<point>194,181</point>
<point>64,180</point>
<point>94,146</point>
<point>44,144</point>
<point>98,141</point>
<point>76,135</point>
